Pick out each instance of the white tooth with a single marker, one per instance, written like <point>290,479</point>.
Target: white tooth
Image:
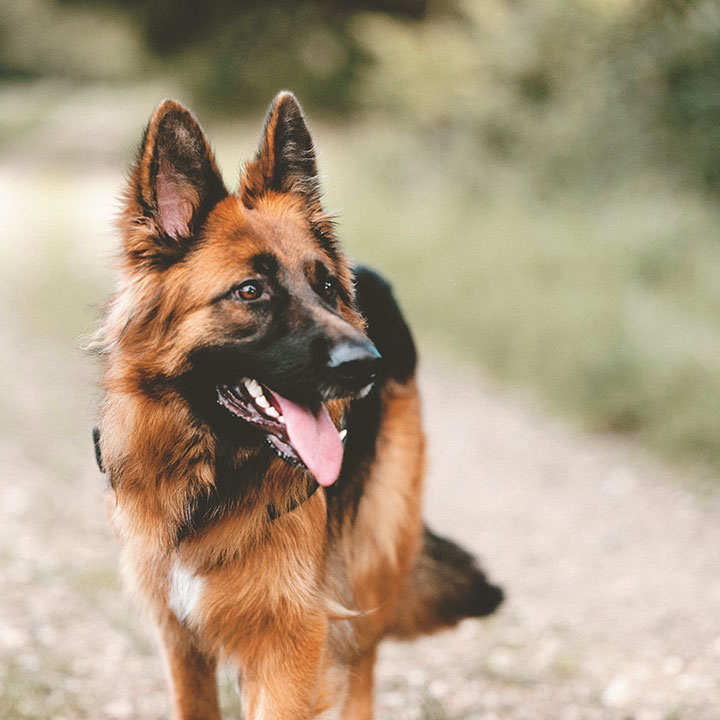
<point>253,387</point>
<point>281,420</point>
<point>343,433</point>
<point>364,391</point>
<point>272,412</point>
<point>262,401</point>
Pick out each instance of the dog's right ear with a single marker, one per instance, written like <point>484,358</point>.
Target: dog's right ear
<point>173,186</point>
<point>285,160</point>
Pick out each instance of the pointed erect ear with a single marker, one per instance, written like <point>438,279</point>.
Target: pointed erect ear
<point>174,185</point>
<point>285,160</point>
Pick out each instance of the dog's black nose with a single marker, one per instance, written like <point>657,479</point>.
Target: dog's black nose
<point>353,364</point>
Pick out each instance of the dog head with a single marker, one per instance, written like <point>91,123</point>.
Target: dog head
<point>242,302</point>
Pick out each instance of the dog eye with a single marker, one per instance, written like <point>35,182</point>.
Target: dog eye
<point>329,289</point>
<point>249,290</point>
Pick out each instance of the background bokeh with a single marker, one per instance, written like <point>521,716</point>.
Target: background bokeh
<point>539,180</point>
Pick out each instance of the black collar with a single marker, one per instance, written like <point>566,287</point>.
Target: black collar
<point>275,512</point>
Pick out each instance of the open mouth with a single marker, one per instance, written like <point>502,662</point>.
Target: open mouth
<point>296,433</point>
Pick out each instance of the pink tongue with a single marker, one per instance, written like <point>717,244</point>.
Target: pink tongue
<point>314,438</point>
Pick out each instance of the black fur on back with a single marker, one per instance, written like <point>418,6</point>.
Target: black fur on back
<point>386,326</point>
<point>390,334</point>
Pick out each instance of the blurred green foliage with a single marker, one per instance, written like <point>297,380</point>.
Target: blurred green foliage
<point>539,179</point>
<point>604,306</point>
<point>576,91</point>
<point>228,54</point>
<point>42,38</point>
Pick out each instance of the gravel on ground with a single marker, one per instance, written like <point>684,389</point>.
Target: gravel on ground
<point>611,564</point>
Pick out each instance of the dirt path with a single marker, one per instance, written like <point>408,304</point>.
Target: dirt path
<point>612,572</point>
<point>611,568</point>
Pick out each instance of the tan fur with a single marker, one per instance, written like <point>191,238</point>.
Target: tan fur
<point>292,603</point>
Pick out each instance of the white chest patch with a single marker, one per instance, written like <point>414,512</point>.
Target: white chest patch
<point>184,590</point>
<point>260,709</point>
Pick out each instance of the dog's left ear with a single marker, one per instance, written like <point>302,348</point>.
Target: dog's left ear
<point>285,160</point>
<point>174,185</point>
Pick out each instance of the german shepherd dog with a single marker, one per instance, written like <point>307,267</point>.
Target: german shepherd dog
<point>260,430</point>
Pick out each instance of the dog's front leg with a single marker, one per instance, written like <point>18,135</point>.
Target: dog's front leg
<point>192,674</point>
<point>358,703</point>
<point>284,673</point>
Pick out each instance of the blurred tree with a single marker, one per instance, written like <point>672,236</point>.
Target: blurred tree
<point>233,54</point>
<point>41,38</point>
<point>578,92</point>
<point>671,67</point>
